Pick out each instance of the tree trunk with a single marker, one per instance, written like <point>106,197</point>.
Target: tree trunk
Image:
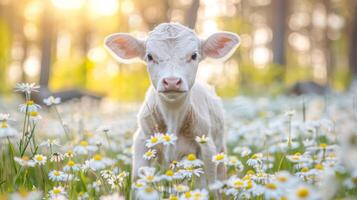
<point>46,45</point>
<point>353,42</point>
<point>279,31</point>
<point>191,14</point>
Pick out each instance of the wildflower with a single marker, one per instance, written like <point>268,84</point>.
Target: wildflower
<point>139,184</point>
<point>171,175</point>
<point>255,160</point>
<point>57,157</point>
<point>57,191</point>
<point>154,140</point>
<point>34,116</point>
<point>201,140</point>
<point>22,194</point>
<point>190,171</point>
<point>271,191</point>
<point>40,159</point>
<point>190,161</point>
<point>243,151</point>
<point>148,193</point>
<point>196,194</point>
<point>50,143</point>
<point>304,192</point>
<point>151,153</point>
<point>52,100</point>
<point>25,161</point>
<point>114,196</point>
<point>27,87</point>
<point>69,154</point>
<point>5,129</point>
<point>168,139</point>
<point>147,174</point>
<point>57,176</point>
<point>97,163</point>
<point>71,166</point>
<point>234,162</point>
<point>84,148</point>
<point>29,106</point>
<point>220,158</point>
<point>181,188</point>
<point>299,158</point>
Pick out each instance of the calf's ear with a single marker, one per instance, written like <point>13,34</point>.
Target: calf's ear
<point>220,45</point>
<point>124,47</point>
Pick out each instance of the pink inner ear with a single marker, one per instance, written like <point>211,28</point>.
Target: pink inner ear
<point>122,44</point>
<point>219,44</point>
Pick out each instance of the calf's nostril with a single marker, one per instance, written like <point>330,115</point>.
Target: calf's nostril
<point>178,82</point>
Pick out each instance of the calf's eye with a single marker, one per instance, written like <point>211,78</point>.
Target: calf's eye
<point>194,56</point>
<point>150,58</point>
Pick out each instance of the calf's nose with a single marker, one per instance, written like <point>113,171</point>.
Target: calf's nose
<point>172,83</point>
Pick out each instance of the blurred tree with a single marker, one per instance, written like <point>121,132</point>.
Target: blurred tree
<point>353,40</point>
<point>280,11</point>
<point>191,14</point>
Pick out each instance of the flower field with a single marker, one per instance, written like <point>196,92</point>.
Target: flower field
<point>278,148</point>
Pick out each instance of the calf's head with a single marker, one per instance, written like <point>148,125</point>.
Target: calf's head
<point>172,53</point>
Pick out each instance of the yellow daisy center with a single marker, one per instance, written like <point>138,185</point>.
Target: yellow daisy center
<point>305,169</point>
<point>191,157</point>
<point>150,178</point>
<point>154,140</point>
<point>188,194</point>
<point>238,184</point>
<point>270,186</point>
<point>71,163</point>
<point>323,145</point>
<point>167,137</point>
<point>149,189</point>
<point>33,114</point>
<point>39,158</point>
<point>249,184</point>
<point>319,166</point>
<point>57,191</point>
<point>25,158</point>
<point>172,197</point>
<point>83,143</point>
<point>169,173</point>
<point>3,124</point>
<point>254,156</point>
<point>97,157</point>
<point>148,154</point>
<point>56,173</point>
<point>302,192</point>
<point>282,179</point>
<point>219,156</point>
<point>29,103</point>
<point>23,192</point>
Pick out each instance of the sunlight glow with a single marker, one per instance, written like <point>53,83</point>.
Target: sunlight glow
<point>32,66</point>
<point>103,8</point>
<point>261,56</point>
<point>68,4</point>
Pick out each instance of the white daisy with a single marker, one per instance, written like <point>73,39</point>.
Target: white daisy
<point>190,161</point>
<point>201,140</point>
<point>220,158</point>
<point>147,174</point>
<point>71,166</point>
<point>154,140</point>
<point>40,159</point>
<point>25,161</point>
<point>151,153</point>
<point>84,148</point>
<point>29,107</point>
<point>148,193</point>
<point>168,139</point>
<point>52,100</point>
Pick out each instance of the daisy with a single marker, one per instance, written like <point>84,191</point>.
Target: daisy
<point>84,148</point>
<point>34,116</point>
<point>151,153</point>
<point>114,196</point>
<point>154,140</point>
<point>5,129</point>
<point>148,193</point>
<point>188,172</point>
<point>139,184</point>
<point>69,154</point>
<point>57,157</point>
<point>71,166</point>
<point>271,191</point>
<point>25,161</point>
<point>201,140</point>
<point>181,188</point>
<point>40,159</point>
<point>97,163</point>
<point>196,195</point>
<point>171,175</point>
<point>147,174</point>
<point>29,107</point>
<point>57,191</point>
<point>255,160</point>
<point>27,87</point>
<point>190,161</point>
<point>304,192</point>
<point>57,176</point>
<point>220,158</point>
<point>52,100</point>
<point>243,151</point>
<point>50,143</point>
<point>22,194</point>
<point>234,162</point>
<point>168,139</point>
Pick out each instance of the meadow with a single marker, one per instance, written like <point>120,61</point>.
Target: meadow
<point>285,147</point>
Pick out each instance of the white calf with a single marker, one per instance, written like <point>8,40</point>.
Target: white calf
<point>175,103</point>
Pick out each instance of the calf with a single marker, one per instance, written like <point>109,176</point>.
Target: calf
<point>175,103</point>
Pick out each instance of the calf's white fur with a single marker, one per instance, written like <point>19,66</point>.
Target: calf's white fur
<point>175,103</point>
